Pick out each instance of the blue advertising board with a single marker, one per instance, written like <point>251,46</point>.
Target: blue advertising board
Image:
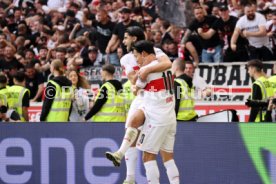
<point>73,153</point>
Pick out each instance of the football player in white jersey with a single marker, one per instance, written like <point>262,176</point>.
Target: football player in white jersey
<point>159,129</point>
<point>129,63</point>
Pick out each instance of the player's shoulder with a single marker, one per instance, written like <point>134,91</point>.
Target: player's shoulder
<point>127,58</point>
<point>158,52</point>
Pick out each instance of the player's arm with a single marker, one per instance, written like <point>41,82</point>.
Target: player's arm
<point>132,77</point>
<point>164,63</point>
<point>140,84</point>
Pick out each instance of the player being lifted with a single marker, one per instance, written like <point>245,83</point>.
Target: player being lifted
<point>159,130</point>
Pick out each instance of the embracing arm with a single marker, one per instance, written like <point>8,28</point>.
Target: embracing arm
<point>164,63</point>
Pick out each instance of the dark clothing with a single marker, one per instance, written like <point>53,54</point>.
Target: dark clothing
<point>268,116</point>
<point>256,95</point>
<point>104,33</point>
<point>26,100</point>
<point>226,29</point>
<point>195,40</point>
<point>177,89</point>
<point>206,24</point>
<point>10,67</point>
<point>104,95</point>
<point>263,53</point>
<point>33,83</point>
<point>50,94</point>
<point>120,30</point>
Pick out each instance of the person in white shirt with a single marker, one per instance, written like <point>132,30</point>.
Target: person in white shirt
<point>253,27</point>
<point>80,105</point>
<point>271,33</point>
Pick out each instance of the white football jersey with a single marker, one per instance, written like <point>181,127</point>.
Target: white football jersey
<point>157,97</point>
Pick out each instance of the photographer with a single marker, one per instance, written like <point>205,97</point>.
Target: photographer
<point>261,89</point>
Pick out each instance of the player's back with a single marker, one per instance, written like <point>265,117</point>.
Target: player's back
<point>158,95</point>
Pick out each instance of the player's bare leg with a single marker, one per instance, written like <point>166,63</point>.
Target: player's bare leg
<point>131,134</point>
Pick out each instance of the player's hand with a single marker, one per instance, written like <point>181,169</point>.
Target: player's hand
<point>143,74</point>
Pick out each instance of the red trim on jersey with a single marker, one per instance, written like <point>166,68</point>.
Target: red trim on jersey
<point>155,85</point>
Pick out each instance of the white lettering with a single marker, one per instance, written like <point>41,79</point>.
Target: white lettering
<point>57,143</point>
<point>90,161</point>
<point>24,160</point>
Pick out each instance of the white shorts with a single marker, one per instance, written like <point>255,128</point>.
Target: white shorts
<point>152,139</point>
<point>136,103</point>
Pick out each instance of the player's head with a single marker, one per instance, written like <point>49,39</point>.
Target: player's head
<point>254,67</point>
<point>132,35</point>
<point>142,49</point>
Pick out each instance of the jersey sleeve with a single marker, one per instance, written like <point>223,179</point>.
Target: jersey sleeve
<point>159,53</point>
<point>129,63</point>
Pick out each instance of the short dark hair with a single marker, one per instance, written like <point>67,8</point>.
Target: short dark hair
<point>256,64</point>
<point>29,65</point>
<point>136,31</point>
<point>144,45</point>
<point>109,68</point>
<point>19,76</point>
<point>3,79</point>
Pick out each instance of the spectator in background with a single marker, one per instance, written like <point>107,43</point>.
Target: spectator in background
<point>215,10</point>
<point>193,50</point>
<point>253,27</point>
<point>80,104</point>
<point>157,38</point>
<point>271,33</point>
<point>172,50</point>
<point>225,26</point>
<point>34,82</point>
<point>9,64</point>
<point>61,54</point>
<point>19,96</point>
<point>118,34</point>
<point>104,28</point>
<point>94,58</point>
<point>212,49</point>
<point>202,89</point>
